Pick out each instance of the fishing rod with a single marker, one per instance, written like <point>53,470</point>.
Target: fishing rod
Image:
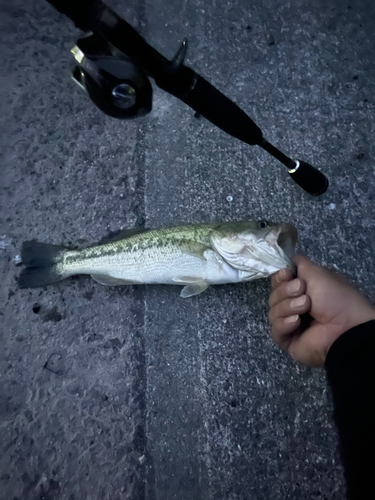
<point>113,63</point>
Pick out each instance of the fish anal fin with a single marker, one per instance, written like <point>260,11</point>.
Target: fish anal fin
<point>110,281</point>
<point>121,234</point>
<point>193,289</point>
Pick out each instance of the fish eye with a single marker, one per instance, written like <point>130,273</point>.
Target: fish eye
<point>263,224</point>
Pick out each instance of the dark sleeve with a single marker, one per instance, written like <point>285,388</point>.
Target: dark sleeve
<point>350,368</point>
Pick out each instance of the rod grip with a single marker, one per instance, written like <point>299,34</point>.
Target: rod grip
<point>309,178</point>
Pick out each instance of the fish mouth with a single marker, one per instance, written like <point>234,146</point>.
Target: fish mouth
<point>287,239</point>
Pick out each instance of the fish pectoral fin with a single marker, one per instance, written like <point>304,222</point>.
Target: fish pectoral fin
<point>187,279</point>
<point>193,289</point>
<point>110,281</point>
<point>213,256</point>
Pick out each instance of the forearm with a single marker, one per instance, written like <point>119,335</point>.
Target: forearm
<point>350,368</point>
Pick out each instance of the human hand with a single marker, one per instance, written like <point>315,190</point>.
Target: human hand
<point>333,303</point>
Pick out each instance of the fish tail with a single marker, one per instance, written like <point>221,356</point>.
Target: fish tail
<point>44,264</point>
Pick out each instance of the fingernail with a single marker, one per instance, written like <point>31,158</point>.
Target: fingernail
<point>299,302</point>
<point>281,275</point>
<point>293,287</point>
<point>291,319</point>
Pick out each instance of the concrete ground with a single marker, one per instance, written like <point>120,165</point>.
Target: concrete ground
<point>133,393</point>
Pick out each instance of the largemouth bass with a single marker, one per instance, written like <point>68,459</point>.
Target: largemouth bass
<point>194,256</point>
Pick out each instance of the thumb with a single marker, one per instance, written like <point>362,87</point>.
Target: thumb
<point>310,347</point>
<point>304,266</point>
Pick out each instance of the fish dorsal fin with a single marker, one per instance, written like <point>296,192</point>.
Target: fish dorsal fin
<point>121,234</point>
<point>109,281</point>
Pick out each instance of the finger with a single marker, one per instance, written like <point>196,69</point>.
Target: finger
<point>282,330</point>
<point>293,288</point>
<point>307,348</point>
<point>281,277</point>
<point>290,307</point>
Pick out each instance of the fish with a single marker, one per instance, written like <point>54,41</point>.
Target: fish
<point>192,256</point>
